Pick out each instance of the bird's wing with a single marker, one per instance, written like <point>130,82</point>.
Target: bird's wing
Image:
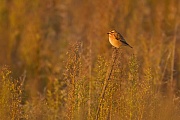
<point>121,38</point>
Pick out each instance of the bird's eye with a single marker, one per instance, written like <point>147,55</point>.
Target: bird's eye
<point>112,31</point>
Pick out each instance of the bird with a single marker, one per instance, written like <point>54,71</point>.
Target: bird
<point>117,40</point>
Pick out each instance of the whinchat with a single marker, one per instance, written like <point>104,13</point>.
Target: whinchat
<point>117,40</point>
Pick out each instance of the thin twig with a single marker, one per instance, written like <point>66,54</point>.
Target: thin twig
<point>172,61</point>
<point>109,73</point>
<point>173,51</point>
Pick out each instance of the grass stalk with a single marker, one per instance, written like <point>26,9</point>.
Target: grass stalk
<point>109,73</point>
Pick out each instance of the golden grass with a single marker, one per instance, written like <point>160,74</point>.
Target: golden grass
<point>70,71</point>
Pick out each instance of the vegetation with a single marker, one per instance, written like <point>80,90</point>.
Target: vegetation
<point>56,62</point>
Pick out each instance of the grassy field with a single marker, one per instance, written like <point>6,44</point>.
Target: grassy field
<point>56,62</point>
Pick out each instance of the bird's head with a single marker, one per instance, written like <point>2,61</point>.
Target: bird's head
<point>112,32</point>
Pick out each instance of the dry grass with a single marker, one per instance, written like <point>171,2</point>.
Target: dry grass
<point>70,71</point>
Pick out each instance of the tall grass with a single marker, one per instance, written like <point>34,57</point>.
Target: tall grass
<point>11,96</point>
<point>71,71</point>
<point>118,91</point>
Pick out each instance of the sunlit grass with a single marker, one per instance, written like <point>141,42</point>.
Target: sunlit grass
<point>70,71</point>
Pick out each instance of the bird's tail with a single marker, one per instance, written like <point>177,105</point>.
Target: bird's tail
<point>129,46</point>
<point>126,44</point>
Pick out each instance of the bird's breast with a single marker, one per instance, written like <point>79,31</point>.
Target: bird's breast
<point>114,42</point>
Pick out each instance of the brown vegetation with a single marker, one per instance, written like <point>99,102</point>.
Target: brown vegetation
<point>56,62</point>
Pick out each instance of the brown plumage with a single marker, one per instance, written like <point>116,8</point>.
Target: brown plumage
<point>117,40</point>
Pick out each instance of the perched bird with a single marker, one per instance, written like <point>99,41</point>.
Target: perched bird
<point>117,40</point>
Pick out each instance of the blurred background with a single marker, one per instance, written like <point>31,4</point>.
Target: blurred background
<point>35,36</point>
